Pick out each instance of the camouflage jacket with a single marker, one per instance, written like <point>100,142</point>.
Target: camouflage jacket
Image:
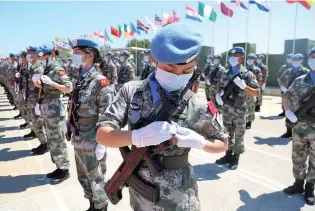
<point>110,71</point>
<point>10,73</point>
<point>126,73</point>
<point>257,72</point>
<point>213,76</point>
<point>148,68</point>
<point>23,76</point>
<point>282,69</point>
<point>289,76</point>
<point>35,68</point>
<point>265,72</point>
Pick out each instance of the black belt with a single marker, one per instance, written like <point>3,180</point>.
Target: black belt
<point>172,162</point>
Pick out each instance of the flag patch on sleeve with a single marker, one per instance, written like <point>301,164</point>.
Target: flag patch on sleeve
<point>104,82</point>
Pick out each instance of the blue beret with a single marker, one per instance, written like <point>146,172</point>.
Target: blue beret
<point>237,50</point>
<point>298,56</point>
<point>85,42</point>
<point>311,52</point>
<point>109,53</point>
<point>31,48</point>
<point>38,51</point>
<point>147,52</point>
<point>290,55</point>
<point>23,52</point>
<point>175,44</point>
<point>252,56</point>
<point>218,56</point>
<point>46,49</point>
<point>261,56</point>
<point>115,57</point>
<point>63,59</point>
<point>124,53</point>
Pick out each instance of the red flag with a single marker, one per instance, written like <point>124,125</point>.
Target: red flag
<point>291,1</point>
<point>114,32</point>
<point>175,17</point>
<point>225,10</point>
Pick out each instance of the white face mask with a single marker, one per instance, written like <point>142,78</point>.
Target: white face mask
<point>215,61</point>
<point>296,63</point>
<point>289,61</point>
<point>170,81</point>
<point>208,60</point>
<point>250,62</point>
<point>146,58</point>
<point>122,59</point>
<point>77,60</point>
<point>28,58</point>
<point>311,63</point>
<point>20,60</point>
<point>233,61</point>
<point>259,61</point>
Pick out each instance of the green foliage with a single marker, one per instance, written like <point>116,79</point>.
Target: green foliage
<point>145,43</point>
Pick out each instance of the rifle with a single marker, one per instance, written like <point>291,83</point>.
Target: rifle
<point>229,90</point>
<point>126,174</point>
<point>70,119</point>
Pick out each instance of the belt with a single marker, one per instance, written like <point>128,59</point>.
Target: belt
<point>172,162</point>
<point>87,120</point>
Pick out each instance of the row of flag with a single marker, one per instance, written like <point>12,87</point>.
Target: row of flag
<point>203,11</point>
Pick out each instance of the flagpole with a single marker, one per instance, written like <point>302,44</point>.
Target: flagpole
<point>268,43</point>
<point>246,39</point>
<point>296,13</point>
<point>212,49</point>
<point>227,42</point>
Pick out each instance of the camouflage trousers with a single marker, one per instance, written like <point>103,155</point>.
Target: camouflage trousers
<point>54,121</point>
<point>235,123</point>
<point>259,99</point>
<point>23,107</point>
<point>91,175</point>
<point>36,123</point>
<point>178,191</point>
<point>303,148</point>
<point>250,115</point>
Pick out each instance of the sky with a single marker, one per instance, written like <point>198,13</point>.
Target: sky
<point>35,23</point>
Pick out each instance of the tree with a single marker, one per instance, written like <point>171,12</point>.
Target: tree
<point>145,43</point>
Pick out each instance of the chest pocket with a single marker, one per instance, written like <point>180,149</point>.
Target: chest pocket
<point>84,95</point>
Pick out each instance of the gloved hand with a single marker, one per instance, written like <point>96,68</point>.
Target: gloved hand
<point>17,75</point>
<point>46,80</point>
<point>218,98</point>
<point>283,89</point>
<point>291,116</point>
<point>153,134</point>
<point>240,82</point>
<point>263,86</point>
<point>100,151</point>
<point>189,138</point>
<point>37,110</point>
<point>36,77</point>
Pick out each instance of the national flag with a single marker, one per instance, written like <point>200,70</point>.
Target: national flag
<point>207,12</point>
<point>167,18</point>
<point>192,14</point>
<point>150,24</point>
<point>175,17</point>
<point>142,27</point>
<point>225,10</point>
<point>119,30</point>
<point>128,31</point>
<point>158,21</point>
<point>133,28</point>
<point>99,35</point>
<point>263,5</point>
<point>240,4</point>
<point>305,3</point>
<point>107,37</point>
<point>114,32</point>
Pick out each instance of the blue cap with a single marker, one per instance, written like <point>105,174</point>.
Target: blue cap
<point>23,52</point>
<point>237,50</point>
<point>252,56</point>
<point>63,59</point>
<point>70,59</point>
<point>38,51</point>
<point>124,53</point>
<point>46,49</point>
<point>290,55</point>
<point>85,42</point>
<point>311,52</point>
<point>218,56</point>
<point>109,53</point>
<point>11,55</point>
<point>298,56</point>
<point>147,51</point>
<point>31,48</point>
<point>260,56</point>
<point>176,44</point>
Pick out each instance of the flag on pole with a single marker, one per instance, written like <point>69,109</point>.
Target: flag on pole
<point>225,10</point>
<point>240,4</point>
<point>99,35</point>
<point>207,12</point>
<point>114,32</point>
<point>192,14</point>
<point>175,17</point>
<point>119,30</point>
<point>167,18</point>
<point>142,27</point>
<point>263,5</point>
<point>305,3</point>
<point>107,37</point>
<point>158,21</point>
<point>133,28</point>
<point>150,24</point>
<point>127,31</point>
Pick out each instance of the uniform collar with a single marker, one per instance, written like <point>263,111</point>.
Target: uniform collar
<point>154,86</point>
<point>83,73</point>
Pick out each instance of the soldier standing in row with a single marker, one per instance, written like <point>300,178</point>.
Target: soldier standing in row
<point>265,72</point>
<point>205,74</point>
<point>111,69</point>
<point>235,110</point>
<point>149,65</point>
<point>303,145</point>
<point>126,72</point>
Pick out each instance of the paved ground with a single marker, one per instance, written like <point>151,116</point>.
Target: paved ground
<point>265,169</point>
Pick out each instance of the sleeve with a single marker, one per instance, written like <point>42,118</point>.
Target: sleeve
<point>39,70</point>
<point>62,78</point>
<point>284,76</point>
<point>280,72</point>
<point>131,72</point>
<point>266,72</point>
<point>291,94</point>
<point>222,81</point>
<point>260,75</point>
<point>104,95</point>
<point>252,81</point>
<point>114,71</point>
<point>116,113</point>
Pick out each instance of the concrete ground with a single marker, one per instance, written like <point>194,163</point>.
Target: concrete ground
<point>265,169</point>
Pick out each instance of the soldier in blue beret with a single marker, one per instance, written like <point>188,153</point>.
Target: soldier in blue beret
<point>288,77</point>
<point>93,93</point>
<point>126,71</point>
<point>110,69</point>
<point>299,94</point>
<point>149,65</point>
<point>174,48</point>
<point>235,107</point>
<point>205,73</point>
<point>265,72</point>
<point>10,78</point>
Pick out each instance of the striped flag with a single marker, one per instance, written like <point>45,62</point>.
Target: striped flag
<point>192,14</point>
<point>240,4</point>
<point>158,21</point>
<point>150,24</point>
<point>142,27</point>
<point>175,17</point>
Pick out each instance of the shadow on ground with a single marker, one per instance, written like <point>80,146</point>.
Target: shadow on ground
<point>9,140</point>
<point>275,201</point>
<point>271,117</point>
<point>208,171</point>
<point>7,155</point>
<point>272,141</point>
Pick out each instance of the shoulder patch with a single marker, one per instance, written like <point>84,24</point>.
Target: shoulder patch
<point>104,82</point>
<point>62,73</point>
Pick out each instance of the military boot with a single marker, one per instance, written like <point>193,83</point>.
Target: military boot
<point>248,125</point>
<point>18,116</point>
<point>30,135</point>
<point>102,209</point>
<point>225,159</point>
<point>25,125</point>
<point>91,205</point>
<point>297,187</point>
<point>41,149</point>
<point>60,176</point>
<point>234,161</point>
<point>309,193</point>
<point>287,134</point>
<point>15,108</point>
<point>257,109</point>
<point>208,99</point>
<point>282,114</point>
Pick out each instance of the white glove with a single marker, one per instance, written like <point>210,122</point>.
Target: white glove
<point>153,134</point>
<point>263,86</point>
<point>218,98</point>
<point>100,151</point>
<point>37,110</point>
<point>24,96</point>
<point>240,82</point>
<point>17,75</point>
<point>284,89</point>
<point>36,77</point>
<point>46,80</point>
<point>65,126</point>
<point>291,116</point>
<point>189,138</point>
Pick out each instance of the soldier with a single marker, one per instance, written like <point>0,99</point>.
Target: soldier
<point>73,72</point>
<point>64,64</point>
<point>288,77</point>
<point>10,78</point>
<point>174,48</point>
<point>251,66</point>
<point>205,74</point>
<point>234,111</point>
<point>111,69</point>
<point>52,82</point>
<point>93,94</point>
<point>149,66</point>
<point>282,69</point>
<point>126,72</point>
<point>303,145</point>
<point>265,72</point>
<point>116,62</point>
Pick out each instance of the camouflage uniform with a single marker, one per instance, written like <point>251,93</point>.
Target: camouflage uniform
<point>251,99</point>
<point>110,71</point>
<point>178,187</point>
<point>73,73</point>
<point>10,79</point>
<point>234,116</point>
<point>212,79</point>
<point>265,73</point>
<point>93,95</point>
<point>148,68</point>
<point>126,73</point>
<point>205,72</point>
<point>289,76</point>
<point>53,113</point>
<point>282,69</point>
<point>25,111</point>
